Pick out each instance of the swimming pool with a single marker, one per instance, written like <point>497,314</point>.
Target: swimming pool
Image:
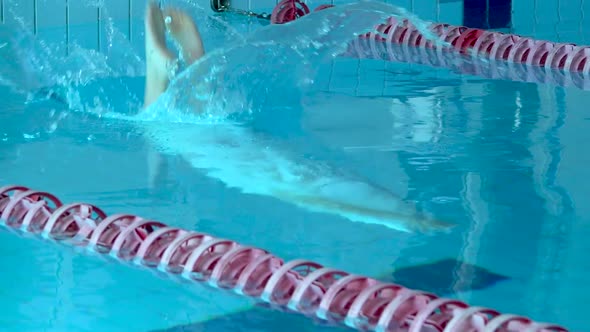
<point>504,170</point>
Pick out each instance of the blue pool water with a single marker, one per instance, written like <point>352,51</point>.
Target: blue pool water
<point>505,161</point>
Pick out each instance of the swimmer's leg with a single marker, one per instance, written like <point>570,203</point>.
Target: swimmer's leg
<point>186,34</point>
<point>159,60</point>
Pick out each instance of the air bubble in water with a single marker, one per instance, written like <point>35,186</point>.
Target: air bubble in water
<point>52,128</point>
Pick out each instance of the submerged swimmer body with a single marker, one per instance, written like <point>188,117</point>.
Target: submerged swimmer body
<point>232,155</point>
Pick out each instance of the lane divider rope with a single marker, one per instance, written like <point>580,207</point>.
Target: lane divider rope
<point>477,43</point>
<point>371,48</point>
<point>302,286</point>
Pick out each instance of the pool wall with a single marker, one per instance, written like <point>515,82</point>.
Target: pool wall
<point>552,19</point>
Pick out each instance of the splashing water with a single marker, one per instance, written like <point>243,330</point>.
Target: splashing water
<point>233,81</point>
<point>229,85</point>
<point>45,69</point>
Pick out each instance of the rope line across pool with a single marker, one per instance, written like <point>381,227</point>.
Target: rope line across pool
<point>302,286</point>
<point>480,43</point>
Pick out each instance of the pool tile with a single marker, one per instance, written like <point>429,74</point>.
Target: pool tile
<point>263,5</point>
<point>241,4</point>
<point>491,14</point>
<point>450,12</point>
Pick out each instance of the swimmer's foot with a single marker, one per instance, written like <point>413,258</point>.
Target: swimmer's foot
<point>159,60</point>
<point>184,31</point>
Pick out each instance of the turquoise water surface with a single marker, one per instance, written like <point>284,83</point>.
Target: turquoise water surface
<point>504,161</point>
